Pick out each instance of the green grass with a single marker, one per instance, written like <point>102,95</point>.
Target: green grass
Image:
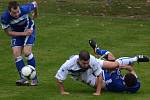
<point>60,36</point>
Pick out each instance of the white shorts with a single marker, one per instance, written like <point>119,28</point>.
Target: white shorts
<point>89,78</point>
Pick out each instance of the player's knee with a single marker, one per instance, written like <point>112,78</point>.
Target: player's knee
<point>29,56</point>
<point>27,53</point>
<point>16,54</point>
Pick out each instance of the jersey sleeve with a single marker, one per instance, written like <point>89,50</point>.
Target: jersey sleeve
<point>97,70</point>
<point>29,7</point>
<point>4,22</point>
<point>63,71</point>
<point>96,66</point>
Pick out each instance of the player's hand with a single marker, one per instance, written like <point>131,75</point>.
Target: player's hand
<point>28,32</point>
<point>96,94</point>
<point>65,93</point>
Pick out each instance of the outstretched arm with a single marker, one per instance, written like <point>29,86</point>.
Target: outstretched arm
<point>61,87</point>
<point>98,85</point>
<point>61,75</point>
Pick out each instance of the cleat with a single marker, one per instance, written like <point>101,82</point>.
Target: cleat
<point>22,82</point>
<point>142,58</point>
<point>34,82</point>
<point>93,44</point>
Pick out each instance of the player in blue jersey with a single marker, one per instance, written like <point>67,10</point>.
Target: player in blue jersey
<point>17,24</point>
<point>114,80</point>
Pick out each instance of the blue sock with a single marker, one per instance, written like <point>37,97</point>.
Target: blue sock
<point>31,61</point>
<point>19,64</point>
<point>101,52</point>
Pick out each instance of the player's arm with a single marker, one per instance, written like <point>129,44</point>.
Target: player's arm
<point>129,68</point>
<point>35,11</point>
<point>61,87</point>
<point>97,71</point>
<point>6,27</point>
<point>98,85</point>
<point>61,75</point>
<point>9,32</point>
<point>31,8</point>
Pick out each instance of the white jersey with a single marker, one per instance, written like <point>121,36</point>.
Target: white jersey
<point>72,67</point>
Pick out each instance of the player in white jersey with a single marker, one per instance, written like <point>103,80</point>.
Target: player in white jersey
<point>17,24</point>
<point>80,66</point>
<point>85,67</point>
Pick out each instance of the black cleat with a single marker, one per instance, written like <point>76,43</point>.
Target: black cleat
<point>142,58</point>
<point>22,82</point>
<point>93,44</point>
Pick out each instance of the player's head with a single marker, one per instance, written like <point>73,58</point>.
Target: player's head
<point>84,58</point>
<point>130,80</point>
<point>13,7</point>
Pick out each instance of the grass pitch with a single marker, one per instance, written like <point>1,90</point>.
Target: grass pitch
<point>60,36</point>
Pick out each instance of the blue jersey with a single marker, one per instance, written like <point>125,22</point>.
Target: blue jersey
<point>115,82</point>
<point>19,24</point>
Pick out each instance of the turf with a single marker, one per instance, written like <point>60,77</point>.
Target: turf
<point>62,35</point>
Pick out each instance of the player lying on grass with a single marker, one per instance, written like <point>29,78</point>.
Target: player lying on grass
<point>84,66</point>
<point>114,80</point>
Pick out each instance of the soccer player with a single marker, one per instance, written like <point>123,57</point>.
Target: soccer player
<point>17,24</point>
<point>87,69</point>
<point>114,80</point>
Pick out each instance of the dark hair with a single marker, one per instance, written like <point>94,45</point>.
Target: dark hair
<point>13,4</point>
<point>84,55</point>
<point>130,80</point>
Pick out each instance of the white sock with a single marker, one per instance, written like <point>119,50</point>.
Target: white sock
<point>30,56</point>
<point>126,60</point>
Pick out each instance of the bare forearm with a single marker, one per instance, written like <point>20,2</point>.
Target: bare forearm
<point>16,33</point>
<point>98,85</point>
<point>13,33</point>
<point>60,85</point>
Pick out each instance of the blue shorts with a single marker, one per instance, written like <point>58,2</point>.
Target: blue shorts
<point>23,40</point>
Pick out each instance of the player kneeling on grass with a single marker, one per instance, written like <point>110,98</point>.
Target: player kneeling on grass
<point>114,80</point>
<point>87,69</point>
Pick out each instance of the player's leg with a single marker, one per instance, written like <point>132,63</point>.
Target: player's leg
<point>123,61</point>
<point>28,43</point>
<point>103,53</point>
<point>18,58</point>
<point>17,49</point>
<point>29,55</point>
<point>30,60</point>
<point>130,60</point>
